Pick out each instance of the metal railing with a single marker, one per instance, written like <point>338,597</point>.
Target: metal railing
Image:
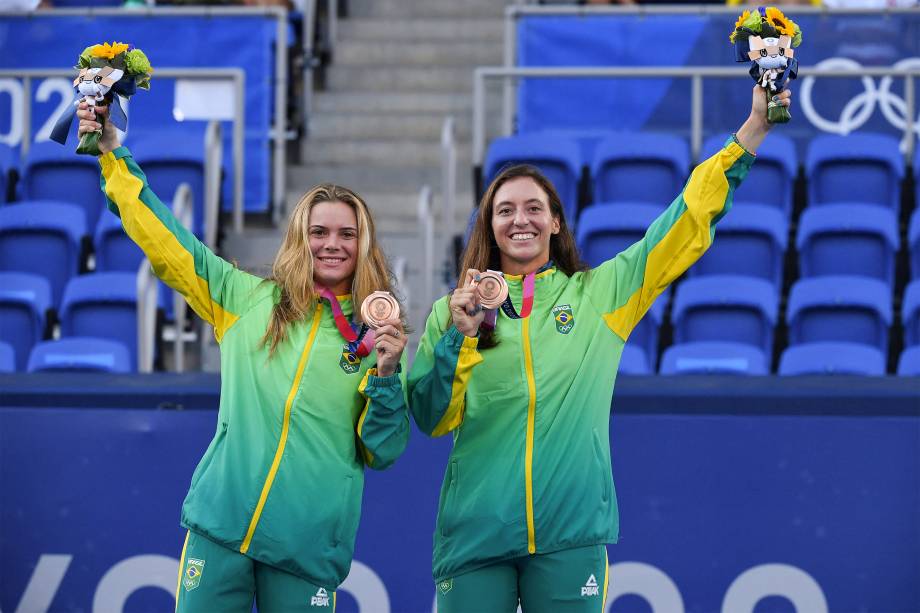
<point>448,183</point>
<point>236,75</point>
<point>279,127</point>
<point>525,8</point>
<point>213,164</point>
<point>183,210</point>
<point>426,234</point>
<point>147,288</point>
<point>695,73</point>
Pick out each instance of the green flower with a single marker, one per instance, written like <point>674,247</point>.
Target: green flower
<point>797,39</point>
<point>85,58</point>
<point>752,21</point>
<point>137,63</point>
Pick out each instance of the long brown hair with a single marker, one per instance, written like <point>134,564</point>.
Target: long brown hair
<point>292,270</point>
<point>482,250</point>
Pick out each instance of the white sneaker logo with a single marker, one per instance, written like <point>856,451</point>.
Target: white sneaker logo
<point>321,599</point>
<point>590,587</point>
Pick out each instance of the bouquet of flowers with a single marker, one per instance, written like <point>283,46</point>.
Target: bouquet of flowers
<point>108,73</point>
<point>766,38</point>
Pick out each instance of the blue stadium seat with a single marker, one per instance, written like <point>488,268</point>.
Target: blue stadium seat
<point>634,361</point>
<point>645,334</point>
<point>8,163</point>
<point>24,300</point>
<point>53,172</point>
<point>558,159</point>
<point>848,239</point>
<point>102,305</point>
<point>751,241</point>
<point>606,229</point>
<point>840,308</point>
<point>639,167</point>
<point>712,357</point>
<point>857,167</point>
<point>726,308</point>
<point>42,238</point>
<point>771,179</point>
<point>909,362</point>
<point>7,358</point>
<point>832,358</point>
<point>913,241</point>
<point>80,354</point>
<point>910,314</point>
<point>115,251</point>
<point>171,158</point>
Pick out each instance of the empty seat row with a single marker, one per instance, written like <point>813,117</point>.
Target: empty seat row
<point>52,172</point>
<point>652,168</point>
<point>79,354</point>
<point>852,239</point>
<point>744,311</point>
<point>100,305</point>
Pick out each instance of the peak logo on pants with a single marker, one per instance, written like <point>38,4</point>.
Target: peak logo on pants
<point>590,587</point>
<point>321,599</point>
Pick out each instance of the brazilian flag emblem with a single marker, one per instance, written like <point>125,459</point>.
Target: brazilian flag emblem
<point>192,575</point>
<point>565,319</point>
<point>350,362</point>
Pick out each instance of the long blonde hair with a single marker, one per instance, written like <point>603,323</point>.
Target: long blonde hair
<point>292,270</point>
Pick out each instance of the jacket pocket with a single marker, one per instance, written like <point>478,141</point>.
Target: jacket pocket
<point>347,512</point>
<point>602,466</point>
<point>208,459</point>
<point>448,499</point>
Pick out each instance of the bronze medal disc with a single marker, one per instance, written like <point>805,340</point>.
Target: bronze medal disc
<point>378,307</point>
<point>492,289</point>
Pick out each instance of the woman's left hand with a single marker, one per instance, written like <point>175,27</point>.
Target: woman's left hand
<point>389,342</point>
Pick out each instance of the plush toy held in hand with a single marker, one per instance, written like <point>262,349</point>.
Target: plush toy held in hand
<point>108,73</point>
<point>766,38</point>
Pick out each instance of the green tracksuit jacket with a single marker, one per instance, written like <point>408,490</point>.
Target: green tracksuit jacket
<point>283,477</point>
<point>530,467</point>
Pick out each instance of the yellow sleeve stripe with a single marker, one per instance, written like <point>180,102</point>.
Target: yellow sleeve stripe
<point>466,360</point>
<point>684,243</point>
<point>171,261</point>
<point>368,456</point>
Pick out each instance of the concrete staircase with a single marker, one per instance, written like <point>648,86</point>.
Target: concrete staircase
<point>400,67</point>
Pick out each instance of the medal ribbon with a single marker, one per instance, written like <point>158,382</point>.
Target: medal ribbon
<point>507,306</point>
<point>360,341</point>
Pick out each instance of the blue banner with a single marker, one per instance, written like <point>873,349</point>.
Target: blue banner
<point>822,105</point>
<point>721,510</point>
<point>49,40</point>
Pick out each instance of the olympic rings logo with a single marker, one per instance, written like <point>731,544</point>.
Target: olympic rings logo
<point>858,110</point>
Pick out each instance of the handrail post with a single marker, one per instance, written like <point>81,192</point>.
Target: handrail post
<point>448,180</point>
<point>183,211</point>
<point>426,229</point>
<point>696,116</point>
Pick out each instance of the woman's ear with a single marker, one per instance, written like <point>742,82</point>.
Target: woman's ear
<point>556,225</point>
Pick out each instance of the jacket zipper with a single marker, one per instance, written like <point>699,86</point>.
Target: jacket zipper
<point>528,450</point>
<point>285,426</point>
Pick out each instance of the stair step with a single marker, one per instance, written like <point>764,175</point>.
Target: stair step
<point>374,125</point>
<point>405,54</point>
<point>412,30</point>
<point>398,79</point>
<point>416,9</point>
<point>378,152</point>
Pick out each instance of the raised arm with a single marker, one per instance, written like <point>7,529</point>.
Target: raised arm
<point>440,374</point>
<point>214,288</point>
<point>624,287</point>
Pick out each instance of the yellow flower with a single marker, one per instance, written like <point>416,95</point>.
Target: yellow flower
<point>741,19</point>
<point>779,21</point>
<point>107,51</point>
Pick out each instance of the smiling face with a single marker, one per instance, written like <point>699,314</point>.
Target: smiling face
<point>333,233</point>
<point>523,223</point>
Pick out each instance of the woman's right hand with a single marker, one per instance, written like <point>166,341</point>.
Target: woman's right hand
<point>465,309</point>
<point>88,123</point>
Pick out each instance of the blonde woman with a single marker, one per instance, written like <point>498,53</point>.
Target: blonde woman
<point>309,396</point>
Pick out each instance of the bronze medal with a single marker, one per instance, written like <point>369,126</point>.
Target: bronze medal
<point>379,307</point>
<point>492,289</point>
